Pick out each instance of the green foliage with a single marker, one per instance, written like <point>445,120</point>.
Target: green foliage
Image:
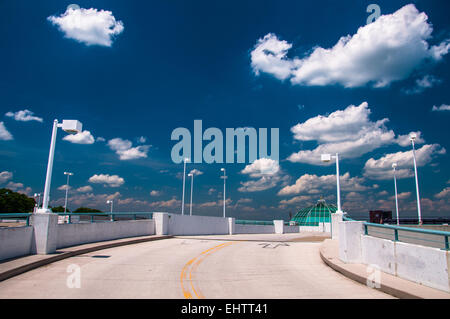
<point>59,209</point>
<point>15,203</point>
<point>86,210</point>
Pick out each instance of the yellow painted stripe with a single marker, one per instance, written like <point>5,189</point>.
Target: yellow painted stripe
<point>190,267</point>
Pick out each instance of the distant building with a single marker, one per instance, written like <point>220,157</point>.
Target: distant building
<point>316,217</point>
<point>380,216</point>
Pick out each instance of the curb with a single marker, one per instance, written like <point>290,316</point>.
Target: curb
<point>63,255</point>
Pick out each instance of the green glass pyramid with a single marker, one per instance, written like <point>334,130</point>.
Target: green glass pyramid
<point>315,215</point>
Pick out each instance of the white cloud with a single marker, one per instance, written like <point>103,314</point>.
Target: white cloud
<point>5,176</point>
<point>381,168</point>
<point>107,180</point>
<point>443,107</point>
<point>403,140</point>
<point>124,149</point>
<point>296,200</point>
<point>445,193</point>
<point>24,116</point>
<point>384,51</point>
<point>142,139</point>
<point>100,139</point>
<point>348,132</point>
<point>88,26</point>
<point>155,193</point>
<point>172,203</point>
<point>4,133</point>
<point>84,189</point>
<point>401,196</point>
<point>428,81</point>
<point>262,166</point>
<point>196,172</point>
<point>64,187</point>
<point>19,187</point>
<point>84,137</point>
<point>313,184</point>
<point>267,173</point>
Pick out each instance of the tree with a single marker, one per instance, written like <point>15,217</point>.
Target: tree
<point>86,210</point>
<point>13,202</point>
<point>59,209</point>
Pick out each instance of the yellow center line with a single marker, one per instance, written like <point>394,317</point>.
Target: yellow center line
<point>191,265</point>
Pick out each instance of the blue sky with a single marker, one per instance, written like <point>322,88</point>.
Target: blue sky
<point>135,71</point>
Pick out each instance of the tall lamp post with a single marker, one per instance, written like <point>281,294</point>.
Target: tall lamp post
<point>327,158</point>
<point>112,203</point>
<point>224,197</point>
<point>413,137</point>
<point>71,127</point>
<point>184,180</point>
<point>67,189</point>
<point>192,186</point>
<point>38,195</point>
<point>394,166</point>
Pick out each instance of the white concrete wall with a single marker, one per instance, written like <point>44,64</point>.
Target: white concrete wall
<point>197,225</point>
<point>291,229</point>
<point>254,229</point>
<point>82,233</point>
<point>319,228</point>
<point>16,241</point>
<point>350,233</point>
<point>379,252</point>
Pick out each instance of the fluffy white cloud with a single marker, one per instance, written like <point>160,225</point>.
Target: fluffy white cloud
<point>428,81</point>
<point>348,131</point>
<point>313,184</point>
<point>296,200</point>
<point>124,149</point>
<point>84,189</point>
<point>107,180</point>
<point>443,107</point>
<point>172,203</point>
<point>24,116</point>
<point>84,137</point>
<point>64,187</point>
<point>401,196</point>
<point>381,168</point>
<point>196,172</point>
<point>88,26</point>
<point>19,187</point>
<point>4,133</point>
<point>445,193</point>
<point>403,140</point>
<point>155,193</point>
<point>266,174</point>
<point>262,166</point>
<point>5,176</point>
<point>381,52</point>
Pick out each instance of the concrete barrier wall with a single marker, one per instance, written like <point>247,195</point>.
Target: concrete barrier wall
<point>428,266</point>
<point>291,229</point>
<point>197,225</point>
<point>16,242</point>
<point>254,229</point>
<point>82,233</point>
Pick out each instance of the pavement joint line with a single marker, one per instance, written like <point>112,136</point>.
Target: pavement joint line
<point>412,290</point>
<point>68,252</point>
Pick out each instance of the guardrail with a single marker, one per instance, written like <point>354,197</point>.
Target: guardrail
<point>25,216</point>
<point>107,216</point>
<point>426,237</point>
<point>253,222</point>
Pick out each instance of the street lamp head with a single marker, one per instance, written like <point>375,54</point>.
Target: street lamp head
<point>108,201</point>
<point>190,174</point>
<point>222,169</point>
<point>326,158</point>
<point>68,173</point>
<point>72,126</point>
<point>412,136</point>
<point>187,159</point>
<point>394,165</point>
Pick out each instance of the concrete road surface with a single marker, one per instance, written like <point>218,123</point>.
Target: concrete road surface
<point>239,266</point>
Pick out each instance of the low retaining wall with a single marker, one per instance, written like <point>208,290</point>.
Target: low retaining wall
<point>197,225</point>
<point>291,229</point>
<point>254,229</point>
<point>16,242</point>
<point>83,233</point>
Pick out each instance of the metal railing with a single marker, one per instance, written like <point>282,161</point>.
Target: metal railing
<point>419,236</point>
<point>253,222</point>
<point>105,217</point>
<point>25,216</point>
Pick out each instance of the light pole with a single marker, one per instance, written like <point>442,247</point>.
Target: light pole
<point>112,203</point>
<point>327,158</point>
<point>71,127</point>
<point>67,189</point>
<point>224,197</point>
<point>412,137</point>
<point>394,166</point>
<point>184,179</point>
<point>192,186</point>
<point>38,195</point>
